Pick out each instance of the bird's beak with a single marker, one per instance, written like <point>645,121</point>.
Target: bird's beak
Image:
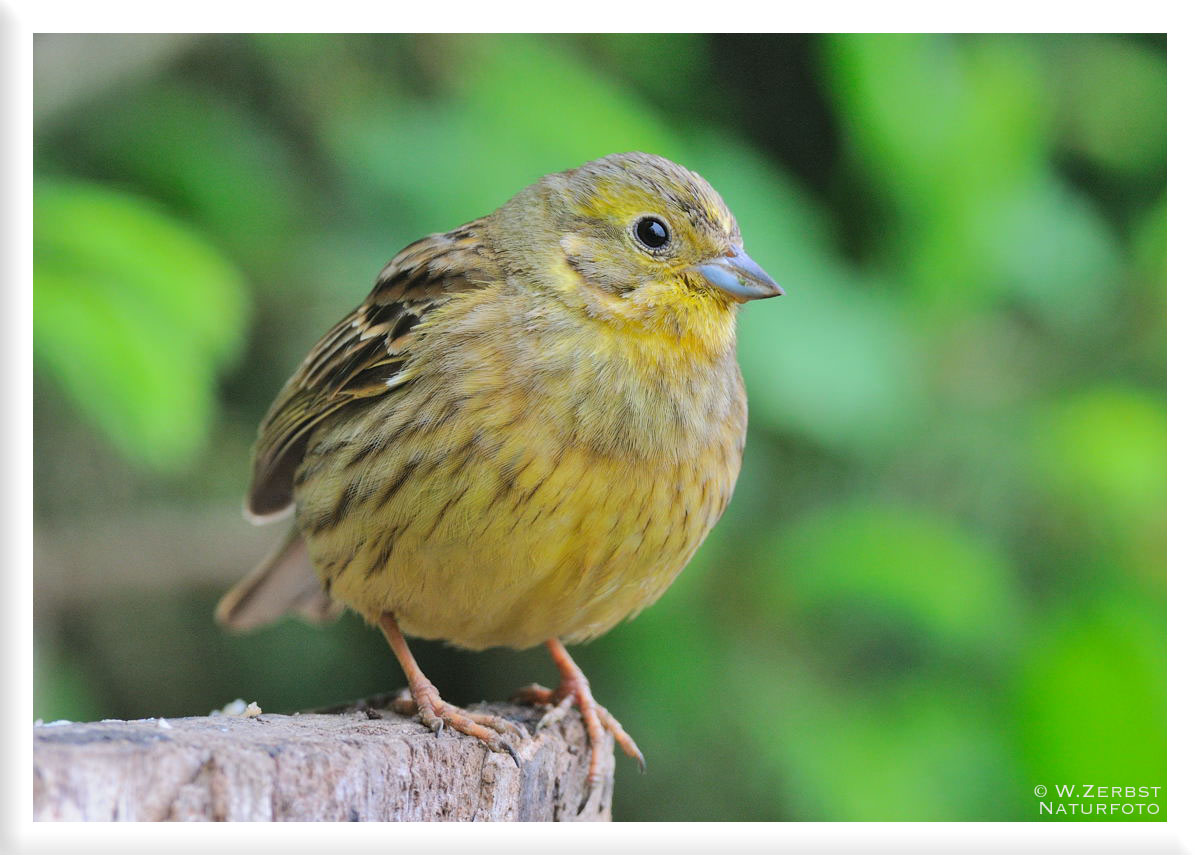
<point>738,276</point>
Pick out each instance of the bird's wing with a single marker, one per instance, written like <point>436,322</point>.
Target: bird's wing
<point>356,358</point>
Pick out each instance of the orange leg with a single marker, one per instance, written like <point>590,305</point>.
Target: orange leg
<point>434,713</point>
<point>574,689</point>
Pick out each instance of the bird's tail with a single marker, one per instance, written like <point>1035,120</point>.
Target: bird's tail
<point>283,582</point>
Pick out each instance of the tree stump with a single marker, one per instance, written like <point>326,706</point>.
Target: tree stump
<point>361,762</point>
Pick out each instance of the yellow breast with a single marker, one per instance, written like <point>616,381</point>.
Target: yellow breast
<point>548,482</point>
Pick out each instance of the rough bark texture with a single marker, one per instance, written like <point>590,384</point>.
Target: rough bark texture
<point>357,764</point>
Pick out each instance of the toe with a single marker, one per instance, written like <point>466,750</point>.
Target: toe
<point>497,723</point>
<point>555,714</point>
<point>533,695</point>
<point>621,737</point>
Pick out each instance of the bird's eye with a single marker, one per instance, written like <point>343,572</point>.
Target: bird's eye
<point>652,232</point>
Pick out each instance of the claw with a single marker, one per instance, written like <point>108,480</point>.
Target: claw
<point>591,788</point>
<point>507,746</point>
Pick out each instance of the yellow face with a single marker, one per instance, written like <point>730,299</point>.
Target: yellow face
<point>640,223</point>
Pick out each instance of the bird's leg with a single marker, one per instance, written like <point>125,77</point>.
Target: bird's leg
<point>427,704</point>
<point>574,689</point>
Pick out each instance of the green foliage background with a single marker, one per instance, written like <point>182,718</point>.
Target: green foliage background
<point>942,580</point>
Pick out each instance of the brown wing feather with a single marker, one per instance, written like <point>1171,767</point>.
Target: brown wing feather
<point>355,359</point>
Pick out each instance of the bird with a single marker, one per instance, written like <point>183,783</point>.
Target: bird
<point>520,437</point>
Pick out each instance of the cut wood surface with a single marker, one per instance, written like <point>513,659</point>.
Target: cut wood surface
<point>360,762</point>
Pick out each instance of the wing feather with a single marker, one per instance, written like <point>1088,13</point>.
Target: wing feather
<point>356,358</point>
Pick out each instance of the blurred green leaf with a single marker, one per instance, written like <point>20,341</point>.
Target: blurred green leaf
<point>488,139</point>
<point>1092,698</point>
<point>841,368</point>
<point>1104,450</point>
<point>940,121</point>
<point>924,749</point>
<point>520,80</point>
<point>667,66</point>
<point>1053,252</point>
<point>1150,258</point>
<point>213,159</point>
<point>1111,97</point>
<point>1150,247</point>
<point>954,131</point>
<point>133,315</point>
<point>1101,459</point>
<point>948,586</point>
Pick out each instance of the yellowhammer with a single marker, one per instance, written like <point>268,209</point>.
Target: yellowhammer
<point>522,435</point>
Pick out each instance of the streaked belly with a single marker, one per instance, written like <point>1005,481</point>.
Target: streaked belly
<point>507,541</point>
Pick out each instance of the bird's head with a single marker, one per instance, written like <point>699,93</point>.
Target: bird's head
<point>635,238</point>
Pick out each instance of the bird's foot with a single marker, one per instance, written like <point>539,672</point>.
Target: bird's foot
<point>424,701</point>
<point>426,704</point>
<point>575,691</point>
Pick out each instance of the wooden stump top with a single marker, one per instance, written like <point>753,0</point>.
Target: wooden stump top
<point>356,764</point>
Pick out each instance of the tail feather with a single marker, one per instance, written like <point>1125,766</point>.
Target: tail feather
<point>284,582</point>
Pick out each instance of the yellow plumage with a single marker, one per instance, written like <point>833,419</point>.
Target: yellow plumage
<point>527,486</point>
<point>530,425</point>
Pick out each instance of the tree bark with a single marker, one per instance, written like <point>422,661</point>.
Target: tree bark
<point>362,762</point>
